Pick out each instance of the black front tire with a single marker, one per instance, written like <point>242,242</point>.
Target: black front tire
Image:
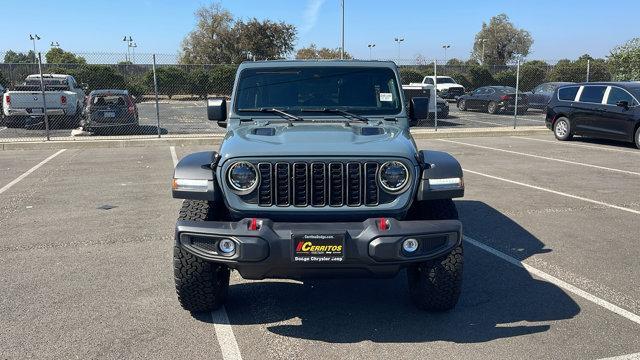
<point>562,129</point>
<point>435,285</point>
<point>200,285</point>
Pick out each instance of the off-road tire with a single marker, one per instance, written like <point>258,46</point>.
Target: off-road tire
<point>565,135</point>
<point>492,108</point>
<point>200,285</point>
<point>435,285</point>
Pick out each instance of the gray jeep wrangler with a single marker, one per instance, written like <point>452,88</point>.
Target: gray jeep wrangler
<point>317,176</point>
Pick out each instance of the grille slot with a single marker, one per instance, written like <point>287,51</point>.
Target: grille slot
<point>265,193</point>
<point>318,184</point>
<point>336,184</point>
<point>282,186</point>
<point>354,184</point>
<point>300,184</point>
<point>371,190</point>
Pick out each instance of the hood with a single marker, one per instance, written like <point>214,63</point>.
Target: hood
<point>281,140</point>
<point>449,86</point>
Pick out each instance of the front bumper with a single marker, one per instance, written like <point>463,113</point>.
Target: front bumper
<point>267,252</point>
<point>35,112</point>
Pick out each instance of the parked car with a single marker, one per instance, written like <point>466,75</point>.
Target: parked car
<point>540,96</point>
<point>64,98</point>
<point>604,110</point>
<point>415,90</point>
<point>493,99</point>
<point>111,111</point>
<point>447,87</point>
<point>318,176</point>
<point>2,90</point>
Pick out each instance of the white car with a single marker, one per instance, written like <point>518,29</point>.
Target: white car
<point>63,97</point>
<point>447,87</point>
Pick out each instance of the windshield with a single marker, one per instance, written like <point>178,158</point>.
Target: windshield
<point>361,90</point>
<point>446,80</point>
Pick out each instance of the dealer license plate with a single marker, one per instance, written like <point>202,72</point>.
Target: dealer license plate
<point>318,248</point>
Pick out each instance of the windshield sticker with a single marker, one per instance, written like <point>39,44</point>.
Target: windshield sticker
<point>386,97</point>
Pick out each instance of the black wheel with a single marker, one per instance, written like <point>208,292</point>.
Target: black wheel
<point>562,129</point>
<point>200,285</point>
<point>462,105</point>
<point>435,285</point>
<point>637,138</point>
<point>492,107</point>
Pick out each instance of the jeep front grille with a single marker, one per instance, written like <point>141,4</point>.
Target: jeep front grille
<point>318,184</point>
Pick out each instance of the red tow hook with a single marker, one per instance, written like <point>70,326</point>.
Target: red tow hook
<point>253,224</point>
<point>383,224</point>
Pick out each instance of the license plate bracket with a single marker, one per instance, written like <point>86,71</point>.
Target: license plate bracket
<point>317,247</point>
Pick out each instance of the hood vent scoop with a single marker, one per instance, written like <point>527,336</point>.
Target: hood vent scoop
<point>370,130</point>
<point>264,131</point>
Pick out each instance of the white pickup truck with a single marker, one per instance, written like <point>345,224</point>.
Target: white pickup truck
<point>63,96</point>
<point>447,87</point>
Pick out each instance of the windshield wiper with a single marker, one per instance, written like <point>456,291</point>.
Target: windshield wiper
<point>338,111</point>
<point>275,111</point>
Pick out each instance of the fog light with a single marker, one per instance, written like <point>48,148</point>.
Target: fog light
<point>410,245</point>
<point>227,246</point>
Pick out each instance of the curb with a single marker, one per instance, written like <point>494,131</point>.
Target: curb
<point>215,139</point>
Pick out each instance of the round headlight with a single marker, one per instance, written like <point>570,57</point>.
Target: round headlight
<point>243,177</point>
<point>393,176</point>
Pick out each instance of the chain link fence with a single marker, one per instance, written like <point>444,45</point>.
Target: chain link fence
<point>146,95</point>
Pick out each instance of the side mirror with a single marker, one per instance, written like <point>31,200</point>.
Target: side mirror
<point>623,104</point>
<point>419,108</point>
<point>217,111</point>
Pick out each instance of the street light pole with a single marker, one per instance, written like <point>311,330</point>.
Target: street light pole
<point>342,32</point>
<point>370,46</point>
<point>133,47</point>
<point>445,47</point>
<point>55,44</point>
<point>34,38</point>
<point>128,40</point>
<point>398,40</point>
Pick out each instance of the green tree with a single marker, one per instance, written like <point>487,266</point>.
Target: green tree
<point>410,75</point>
<point>505,78</point>
<point>221,78</point>
<point>576,71</point>
<point>479,76</point>
<point>503,42</point>
<point>172,80</point>
<point>99,77</point>
<point>218,38</point>
<point>59,56</point>
<point>313,52</point>
<point>532,74</point>
<point>3,80</point>
<point>265,40</point>
<point>199,82</point>
<point>624,61</point>
<point>455,62</point>
<point>12,57</point>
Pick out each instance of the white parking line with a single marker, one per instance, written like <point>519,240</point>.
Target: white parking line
<point>226,338</point>
<point>622,208</point>
<point>19,178</point>
<point>635,356</point>
<point>174,157</point>
<point>553,280</point>
<point>579,145</point>
<point>221,325</point>
<point>544,157</point>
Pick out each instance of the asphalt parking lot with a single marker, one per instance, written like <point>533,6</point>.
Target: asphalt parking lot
<point>551,265</point>
<point>189,117</point>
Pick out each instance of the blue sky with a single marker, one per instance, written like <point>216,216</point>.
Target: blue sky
<point>578,27</point>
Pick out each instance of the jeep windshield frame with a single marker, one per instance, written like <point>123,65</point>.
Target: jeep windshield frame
<point>360,90</point>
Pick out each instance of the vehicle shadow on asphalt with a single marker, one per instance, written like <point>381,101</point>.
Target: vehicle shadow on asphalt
<point>499,300</point>
<point>596,141</point>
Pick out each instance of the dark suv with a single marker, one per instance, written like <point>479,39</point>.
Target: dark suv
<point>604,110</point>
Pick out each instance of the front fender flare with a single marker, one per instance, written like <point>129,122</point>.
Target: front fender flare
<point>438,165</point>
<point>198,166</point>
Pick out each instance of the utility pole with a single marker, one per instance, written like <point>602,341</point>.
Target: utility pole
<point>482,41</point>
<point>370,46</point>
<point>342,32</point>
<point>398,40</point>
<point>34,38</point>
<point>128,40</point>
